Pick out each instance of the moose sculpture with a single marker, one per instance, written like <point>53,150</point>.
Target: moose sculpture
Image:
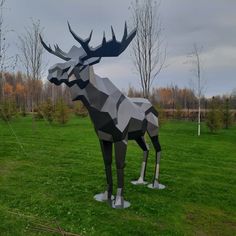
<point>116,117</point>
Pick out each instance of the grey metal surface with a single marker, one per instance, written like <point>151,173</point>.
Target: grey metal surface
<point>102,197</point>
<point>126,204</point>
<point>139,181</point>
<point>156,186</point>
<point>116,117</point>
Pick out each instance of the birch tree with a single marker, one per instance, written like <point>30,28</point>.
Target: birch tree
<point>148,51</point>
<point>31,56</point>
<point>198,86</point>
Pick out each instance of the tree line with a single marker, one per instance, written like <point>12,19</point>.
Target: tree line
<point>22,94</point>
<point>173,97</point>
<point>182,103</point>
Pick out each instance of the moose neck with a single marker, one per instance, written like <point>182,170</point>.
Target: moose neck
<point>92,95</point>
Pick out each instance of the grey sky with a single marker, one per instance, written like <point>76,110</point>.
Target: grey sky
<point>211,24</point>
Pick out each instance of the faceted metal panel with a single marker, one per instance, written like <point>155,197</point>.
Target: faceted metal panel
<point>116,117</point>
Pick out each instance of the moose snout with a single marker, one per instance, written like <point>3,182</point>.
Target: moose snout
<point>58,74</point>
<point>53,79</point>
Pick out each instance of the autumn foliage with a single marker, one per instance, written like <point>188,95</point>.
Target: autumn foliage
<point>49,102</point>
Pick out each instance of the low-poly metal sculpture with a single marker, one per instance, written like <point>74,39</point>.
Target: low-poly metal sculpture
<point>116,118</point>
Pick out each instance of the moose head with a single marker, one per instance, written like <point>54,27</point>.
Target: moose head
<point>77,59</point>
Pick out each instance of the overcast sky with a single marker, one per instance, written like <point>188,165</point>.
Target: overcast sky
<point>211,24</point>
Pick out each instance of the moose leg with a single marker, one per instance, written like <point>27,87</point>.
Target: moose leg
<point>107,157</point>
<point>120,152</point>
<point>142,143</point>
<point>155,184</point>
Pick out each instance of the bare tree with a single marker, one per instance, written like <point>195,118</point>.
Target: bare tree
<point>199,86</point>
<point>6,61</point>
<point>31,55</point>
<point>147,49</point>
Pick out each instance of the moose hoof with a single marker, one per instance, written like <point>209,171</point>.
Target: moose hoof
<point>140,181</point>
<point>120,203</point>
<point>156,185</point>
<point>103,197</point>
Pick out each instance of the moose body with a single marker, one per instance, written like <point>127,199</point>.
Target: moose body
<point>116,117</point>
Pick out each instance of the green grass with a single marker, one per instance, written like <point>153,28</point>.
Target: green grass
<point>62,168</point>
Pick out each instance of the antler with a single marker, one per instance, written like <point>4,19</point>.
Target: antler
<point>57,52</point>
<point>111,48</point>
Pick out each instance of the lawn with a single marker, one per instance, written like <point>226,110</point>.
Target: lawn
<point>52,178</point>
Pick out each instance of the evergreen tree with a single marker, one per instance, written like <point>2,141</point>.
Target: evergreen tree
<point>178,112</point>
<point>227,115</point>
<point>46,111</point>
<point>214,120</point>
<point>61,112</point>
<point>8,109</point>
<point>80,110</point>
